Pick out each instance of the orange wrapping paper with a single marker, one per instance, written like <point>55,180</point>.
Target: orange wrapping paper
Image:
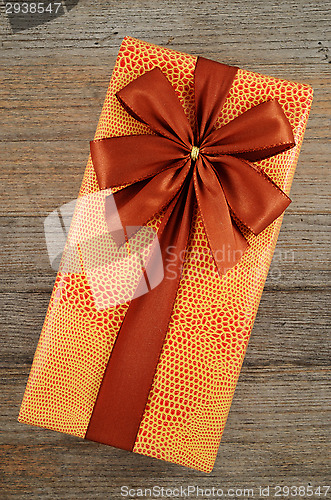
<point>212,317</point>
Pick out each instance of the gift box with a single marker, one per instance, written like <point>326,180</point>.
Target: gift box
<point>168,251</point>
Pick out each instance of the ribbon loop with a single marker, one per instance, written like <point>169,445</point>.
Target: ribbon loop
<point>250,193</point>
<point>259,133</point>
<point>139,202</point>
<point>152,100</point>
<point>212,82</point>
<point>124,160</point>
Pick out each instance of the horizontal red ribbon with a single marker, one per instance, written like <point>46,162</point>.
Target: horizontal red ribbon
<point>173,170</point>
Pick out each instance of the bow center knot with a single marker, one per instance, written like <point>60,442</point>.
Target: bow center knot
<point>194,153</point>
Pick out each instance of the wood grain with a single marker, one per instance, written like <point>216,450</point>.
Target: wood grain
<point>54,78</point>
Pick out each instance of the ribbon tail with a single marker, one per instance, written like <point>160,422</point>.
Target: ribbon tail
<point>226,242</point>
<point>128,377</point>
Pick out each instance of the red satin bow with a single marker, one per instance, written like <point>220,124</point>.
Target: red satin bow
<point>161,169</point>
<point>167,171</point>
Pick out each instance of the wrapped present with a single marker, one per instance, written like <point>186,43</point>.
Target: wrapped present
<point>168,251</point>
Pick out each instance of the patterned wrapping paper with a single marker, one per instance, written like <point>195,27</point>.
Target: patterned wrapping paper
<point>212,317</point>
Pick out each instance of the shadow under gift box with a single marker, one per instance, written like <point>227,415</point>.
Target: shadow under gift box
<point>213,315</point>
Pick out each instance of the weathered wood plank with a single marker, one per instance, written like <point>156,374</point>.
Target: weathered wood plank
<point>53,81</point>
<point>282,333</point>
<point>278,32</point>
<point>276,419</point>
<point>49,174</point>
<point>300,259</point>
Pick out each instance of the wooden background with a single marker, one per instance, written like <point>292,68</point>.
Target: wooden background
<point>53,82</point>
